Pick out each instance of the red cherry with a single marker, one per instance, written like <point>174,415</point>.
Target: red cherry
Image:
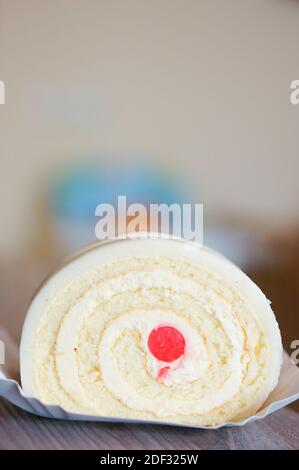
<point>166,343</point>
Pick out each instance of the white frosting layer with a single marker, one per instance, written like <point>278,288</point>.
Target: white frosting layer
<point>84,343</point>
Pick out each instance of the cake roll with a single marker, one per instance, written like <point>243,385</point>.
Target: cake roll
<point>151,328</point>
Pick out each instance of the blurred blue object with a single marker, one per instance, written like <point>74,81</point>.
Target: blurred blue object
<point>75,193</point>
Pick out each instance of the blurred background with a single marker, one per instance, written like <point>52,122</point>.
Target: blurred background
<point>162,101</point>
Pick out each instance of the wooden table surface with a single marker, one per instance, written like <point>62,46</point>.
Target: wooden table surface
<point>20,430</point>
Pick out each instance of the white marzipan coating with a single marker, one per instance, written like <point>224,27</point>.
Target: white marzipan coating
<point>86,349</point>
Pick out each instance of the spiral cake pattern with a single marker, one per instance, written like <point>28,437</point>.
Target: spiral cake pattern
<point>159,332</point>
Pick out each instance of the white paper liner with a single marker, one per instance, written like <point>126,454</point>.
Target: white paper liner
<point>286,392</point>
